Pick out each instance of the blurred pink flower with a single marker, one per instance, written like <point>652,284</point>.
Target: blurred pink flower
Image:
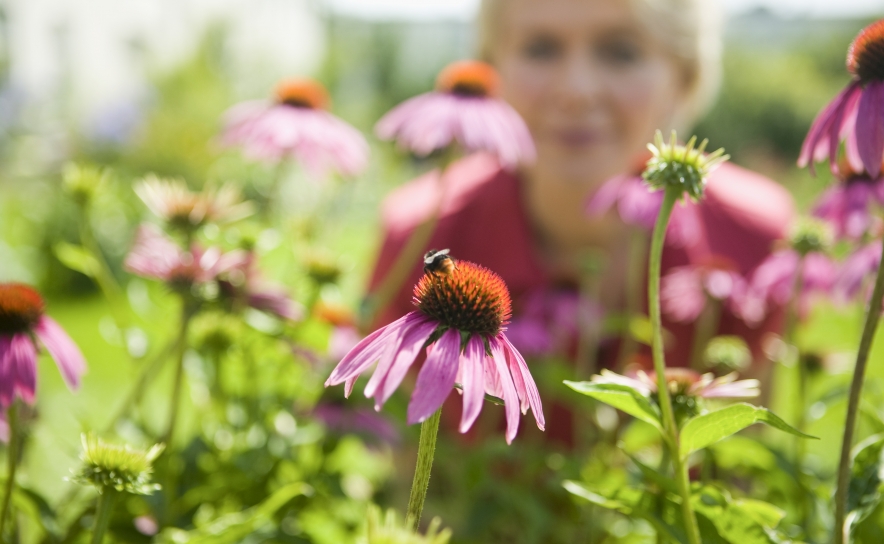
<point>549,322</point>
<point>174,203</point>
<point>685,290</point>
<point>22,323</point>
<point>242,285</point>
<point>153,255</point>
<point>846,205</point>
<point>774,279</point>
<point>462,316</point>
<point>687,382</point>
<point>855,115</point>
<point>464,108</point>
<point>859,267</point>
<point>297,125</point>
<point>638,205</point>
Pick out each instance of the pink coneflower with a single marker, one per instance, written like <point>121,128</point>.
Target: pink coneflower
<point>685,290</point>
<point>155,256</point>
<point>460,319</point>
<point>855,115</point>
<point>638,205</point>
<point>22,323</point>
<point>687,382</point>
<point>464,108</point>
<point>847,204</point>
<point>774,279</point>
<point>178,206</point>
<point>242,285</point>
<point>297,125</point>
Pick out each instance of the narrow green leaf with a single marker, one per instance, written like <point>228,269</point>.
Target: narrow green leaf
<point>621,397</point>
<point>707,429</point>
<point>863,493</point>
<point>76,258</point>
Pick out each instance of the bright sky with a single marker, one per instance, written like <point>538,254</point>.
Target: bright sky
<point>464,9</point>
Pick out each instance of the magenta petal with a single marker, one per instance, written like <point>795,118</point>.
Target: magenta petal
<point>498,366</point>
<point>523,381</point>
<point>392,353</point>
<point>604,198</point>
<point>7,384</point>
<point>473,376</point>
<point>436,378</point>
<point>20,362</point>
<point>412,343</point>
<point>67,355</point>
<point>362,355</point>
<point>869,130</point>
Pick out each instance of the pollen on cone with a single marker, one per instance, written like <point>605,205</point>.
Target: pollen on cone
<point>468,78</point>
<point>471,299</point>
<point>20,307</point>
<point>302,93</point>
<point>865,58</point>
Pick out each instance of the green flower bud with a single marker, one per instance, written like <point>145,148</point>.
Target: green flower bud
<point>810,236</point>
<point>729,352</point>
<point>121,468</point>
<point>390,530</point>
<point>681,166</point>
<point>82,182</point>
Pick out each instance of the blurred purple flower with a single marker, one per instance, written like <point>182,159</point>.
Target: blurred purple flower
<point>856,115</point>
<point>549,322</point>
<point>22,323</point>
<point>685,290</point>
<point>774,279</point>
<point>297,125</point>
<point>242,285</point>
<point>153,255</point>
<point>460,319</point>
<point>638,205</point>
<point>859,267</point>
<point>343,420</point>
<point>846,205</point>
<point>464,108</point>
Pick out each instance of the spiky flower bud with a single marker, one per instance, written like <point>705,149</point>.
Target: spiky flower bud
<point>389,530</point>
<point>681,166</point>
<point>115,467</point>
<point>810,236</point>
<point>82,182</point>
<point>729,352</point>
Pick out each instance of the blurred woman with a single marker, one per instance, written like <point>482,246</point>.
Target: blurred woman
<point>593,80</point>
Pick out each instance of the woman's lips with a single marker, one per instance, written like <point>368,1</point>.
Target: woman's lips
<point>579,137</point>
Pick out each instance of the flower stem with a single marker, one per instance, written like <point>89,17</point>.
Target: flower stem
<point>859,371</point>
<point>669,425</point>
<point>12,465</point>
<point>181,348</point>
<point>425,452</point>
<point>103,510</point>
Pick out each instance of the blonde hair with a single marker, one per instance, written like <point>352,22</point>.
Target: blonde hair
<point>690,29</point>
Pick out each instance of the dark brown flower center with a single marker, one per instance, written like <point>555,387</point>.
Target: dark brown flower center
<point>302,93</point>
<point>20,308</point>
<point>865,58</point>
<point>471,299</point>
<point>468,78</point>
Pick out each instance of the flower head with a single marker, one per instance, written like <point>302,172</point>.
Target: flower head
<point>119,468</point>
<point>296,124</point>
<point>155,256</point>
<point>182,209</point>
<point>22,321</point>
<point>460,320</point>
<point>681,166</point>
<point>854,115</point>
<point>463,109</point>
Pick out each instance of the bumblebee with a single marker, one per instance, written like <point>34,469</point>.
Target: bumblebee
<point>438,263</point>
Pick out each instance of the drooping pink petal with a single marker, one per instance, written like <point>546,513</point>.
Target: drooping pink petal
<point>412,343</point>
<point>605,197</point>
<point>472,367</point>
<point>523,381</point>
<point>498,367</point>
<point>395,345</point>
<point>869,132</point>
<point>436,378</point>
<point>7,383</point>
<point>20,361</point>
<point>67,355</point>
<point>363,354</point>
<point>824,134</point>
<point>857,268</point>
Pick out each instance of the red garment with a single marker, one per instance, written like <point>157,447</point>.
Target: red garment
<point>483,220</point>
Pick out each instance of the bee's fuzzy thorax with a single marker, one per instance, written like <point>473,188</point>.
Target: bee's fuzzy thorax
<point>471,299</point>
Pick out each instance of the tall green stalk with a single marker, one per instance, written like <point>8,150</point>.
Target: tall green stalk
<point>181,348</point>
<point>859,372</point>
<point>670,426</point>
<point>103,511</point>
<point>11,464</point>
<point>425,452</point>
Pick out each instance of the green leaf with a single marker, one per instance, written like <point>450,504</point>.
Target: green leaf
<point>863,493</point>
<point>233,527</point>
<point>707,429</point>
<point>76,258</point>
<point>622,397</point>
<point>736,522</point>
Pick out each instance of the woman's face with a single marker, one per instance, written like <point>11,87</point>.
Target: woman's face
<point>590,81</point>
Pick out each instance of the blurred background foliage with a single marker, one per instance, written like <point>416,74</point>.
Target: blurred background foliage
<point>777,74</point>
